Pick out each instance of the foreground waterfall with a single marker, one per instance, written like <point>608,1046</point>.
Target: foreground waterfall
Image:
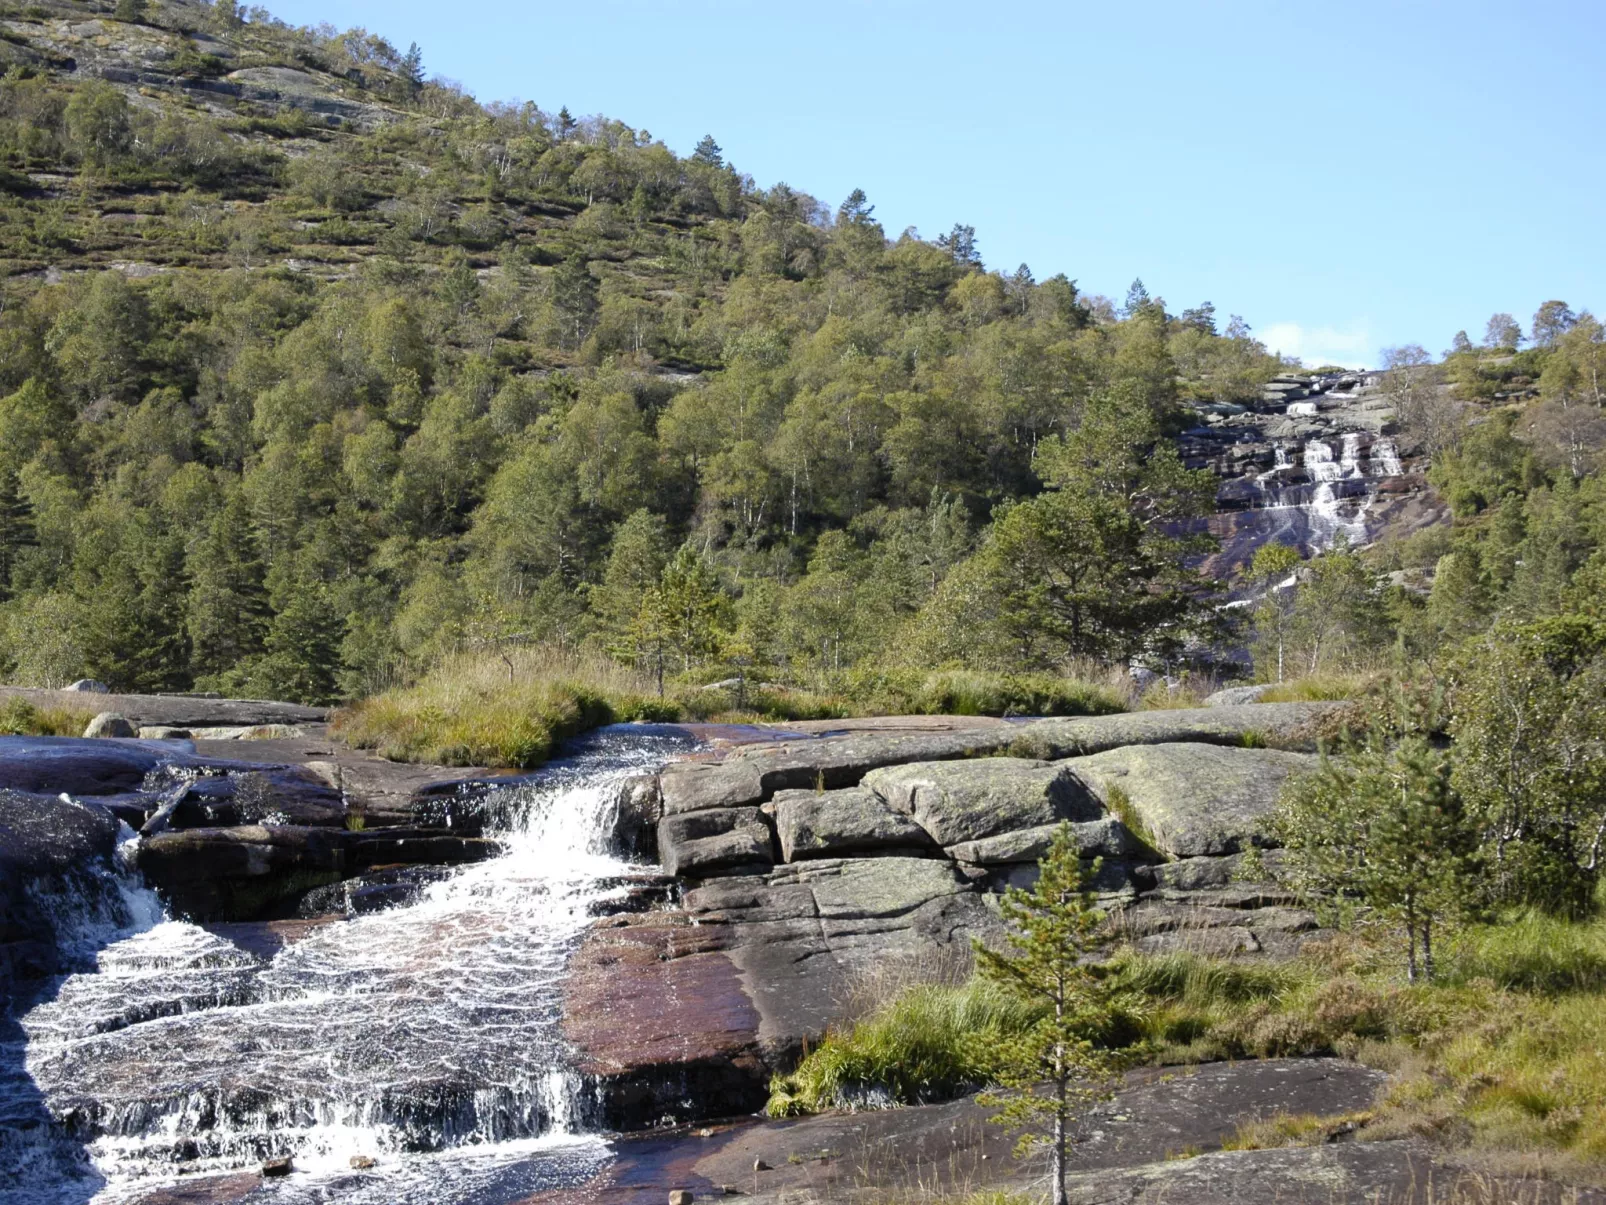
<point>424,1038</point>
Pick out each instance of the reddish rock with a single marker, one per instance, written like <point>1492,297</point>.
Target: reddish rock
<point>662,1022</point>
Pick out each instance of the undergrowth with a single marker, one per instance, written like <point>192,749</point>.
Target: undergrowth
<point>19,717</point>
<point>510,708</point>
<point>1505,1051</point>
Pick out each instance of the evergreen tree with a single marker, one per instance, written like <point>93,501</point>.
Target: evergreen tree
<point>574,295</point>
<point>17,531</point>
<point>227,612</point>
<point>1383,823</point>
<point>708,152</point>
<point>1044,963</point>
<point>690,599</point>
<point>636,561</point>
<point>1269,573</point>
<point>412,70</point>
<point>302,657</point>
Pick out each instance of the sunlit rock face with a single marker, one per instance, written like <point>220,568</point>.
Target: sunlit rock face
<point>1318,460</point>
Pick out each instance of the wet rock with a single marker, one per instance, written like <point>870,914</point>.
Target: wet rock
<point>1285,725</point>
<point>715,841</point>
<point>47,765</point>
<point>414,847</point>
<point>239,873</point>
<point>662,1023</point>
<point>56,858</point>
<point>1106,838</point>
<point>637,811</point>
<point>372,892</point>
<point>837,823</point>
<point>1194,799</point>
<point>968,800</point>
<point>110,724</point>
<point>278,1167</point>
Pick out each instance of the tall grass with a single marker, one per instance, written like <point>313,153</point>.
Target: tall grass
<point>499,709</point>
<point>1503,1051</point>
<point>1319,688</point>
<point>19,717</point>
<point>920,1046</point>
<point>510,708</point>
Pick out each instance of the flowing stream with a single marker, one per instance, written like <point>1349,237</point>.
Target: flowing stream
<point>423,1039</point>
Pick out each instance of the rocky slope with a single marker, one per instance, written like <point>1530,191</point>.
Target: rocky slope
<point>808,864</point>
<point>1321,457</point>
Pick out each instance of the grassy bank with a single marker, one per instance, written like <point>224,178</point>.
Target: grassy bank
<point>509,709</point>
<point>1505,1052</point>
<point>18,717</point>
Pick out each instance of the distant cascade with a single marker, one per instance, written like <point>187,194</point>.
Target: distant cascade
<point>1301,410</point>
<point>1385,459</point>
<point>1319,462</point>
<point>1349,458</point>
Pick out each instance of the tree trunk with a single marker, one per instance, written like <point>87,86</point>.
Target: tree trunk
<point>1410,943</point>
<point>1059,1142</point>
<point>1427,949</point>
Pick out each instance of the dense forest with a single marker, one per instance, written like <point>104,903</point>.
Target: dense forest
<point>297,396</point>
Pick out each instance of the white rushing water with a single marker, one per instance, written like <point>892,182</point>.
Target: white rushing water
<point>1319,463</point>
<point>425,1037</point>
<point>1385,458</point>
<point>1349,458</point>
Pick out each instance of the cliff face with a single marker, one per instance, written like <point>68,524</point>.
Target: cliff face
<point>1319,458</point>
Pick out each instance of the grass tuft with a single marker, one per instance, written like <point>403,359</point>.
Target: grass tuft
<point>19,717</point>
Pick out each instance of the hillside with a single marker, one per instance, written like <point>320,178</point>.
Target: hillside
<point>314,372</point>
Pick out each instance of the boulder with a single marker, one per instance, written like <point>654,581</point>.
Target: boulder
<point>1235,696</point>
<point>637,809</point>
<point>1285,725</point>
<point>255,871</point>
<point>242,873</point>
<point>48,765</point>
<point>1106,838</point>
<point>754,773</point>
<point>56,861</point>
<point>110,724</point>
<point>830,824</point>
<point>962,801</point>
<point>715,841</point>
<point>1192,799</point>
<point>162,732</point>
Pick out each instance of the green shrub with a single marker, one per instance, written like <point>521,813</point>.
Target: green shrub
<point>920,1046</point>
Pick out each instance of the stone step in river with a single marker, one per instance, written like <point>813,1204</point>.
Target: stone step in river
<point>423,1038</point>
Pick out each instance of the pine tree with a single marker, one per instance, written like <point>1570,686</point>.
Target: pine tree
<point>1053,927</point>
<point>17,531</point>
<point>227,611</point>
<point>302,663</point>
<point>1383,822</point>
<point>566,124</point>
<point>708,152</point>
<point>412,70</point>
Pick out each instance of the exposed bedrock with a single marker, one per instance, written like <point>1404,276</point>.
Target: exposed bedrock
<point>808,865</point>
<point>220,839</point>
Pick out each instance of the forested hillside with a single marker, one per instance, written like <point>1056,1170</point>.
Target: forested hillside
<point>312,371</point>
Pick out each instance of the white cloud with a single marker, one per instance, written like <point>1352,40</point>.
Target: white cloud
<point>1352,348</point>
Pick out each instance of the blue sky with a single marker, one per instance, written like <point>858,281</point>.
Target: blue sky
<point>1346,175</point>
